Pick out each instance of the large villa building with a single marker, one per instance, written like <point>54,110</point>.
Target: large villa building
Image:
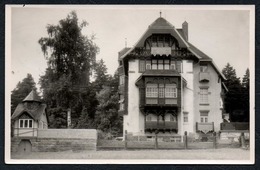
<point>167,85</point>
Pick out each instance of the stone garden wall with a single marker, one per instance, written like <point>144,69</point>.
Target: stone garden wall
<point>54,140</point>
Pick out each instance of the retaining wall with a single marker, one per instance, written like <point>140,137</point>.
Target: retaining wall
<point>53,140</point>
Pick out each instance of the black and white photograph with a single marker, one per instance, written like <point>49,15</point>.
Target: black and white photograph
<point>127,84</point>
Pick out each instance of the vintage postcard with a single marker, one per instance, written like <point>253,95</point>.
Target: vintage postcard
<point>157,84</point>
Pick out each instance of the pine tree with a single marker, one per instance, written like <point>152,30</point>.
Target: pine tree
<point>246,95</point>
<point>21,91</point>
<point>101,76</point>
<point>233,98</point>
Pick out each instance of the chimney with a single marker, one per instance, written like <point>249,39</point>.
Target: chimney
<point>185,30</point>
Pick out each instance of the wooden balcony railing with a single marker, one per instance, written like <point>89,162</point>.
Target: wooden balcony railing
<point>204,76</point>
<point>161,101</point>
<point>234,126</point>
<point>205,127</point>
<point>161,125</point>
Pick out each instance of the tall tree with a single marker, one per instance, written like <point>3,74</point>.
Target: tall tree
<point>246,95</point>
<point>233,100</point>
<point>107,118</point>
<point>21,91</point>
<point>100,75</point>
<point>71,57</point>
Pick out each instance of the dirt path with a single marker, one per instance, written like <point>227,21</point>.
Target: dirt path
<point>207,154</point>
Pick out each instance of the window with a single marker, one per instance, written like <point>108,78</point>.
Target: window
<point>204,116</point>
<point>204,96</point>
<point>166,64</point>
<point>152,90</point>
<point>185,117</point>
<point>203,68</point>
<point>148,118</point>
<point>25,123</point>
<point>154,65</point>
<point>170,91</point>
<point>179,66</point>
<point>122,80</point>
<point>161,90</point>
<point>173,65</point>
<point>148,65</point>
<point>160,64</point>
<point>141,66</point>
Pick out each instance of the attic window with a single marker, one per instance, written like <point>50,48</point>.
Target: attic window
<point>25,123</point>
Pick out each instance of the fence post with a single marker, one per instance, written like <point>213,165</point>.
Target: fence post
<point>156,140</point>
<point>242,138</point>
<point>214,140</point>
<point>185,140</point>
<point>125,139</point>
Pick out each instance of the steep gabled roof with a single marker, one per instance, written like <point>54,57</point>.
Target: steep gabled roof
<point>159,26</point>
<point>162,26</point>
<point>32,96</point>
<point>201,55</point>
<point>35,114</point>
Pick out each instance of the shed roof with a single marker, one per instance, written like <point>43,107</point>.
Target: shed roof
<point>35,114</point>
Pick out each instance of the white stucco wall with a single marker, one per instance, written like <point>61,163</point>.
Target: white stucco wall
<point>188,97</point>
<point>134,121</point>
<point>215,113</point>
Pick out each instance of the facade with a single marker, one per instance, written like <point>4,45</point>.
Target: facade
<point>29,116</point>
<point>167,85</point>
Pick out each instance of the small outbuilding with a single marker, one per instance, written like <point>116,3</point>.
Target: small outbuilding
<point>29,116</point>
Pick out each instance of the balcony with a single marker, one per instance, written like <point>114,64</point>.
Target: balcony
<point>229,126</point>
<point>204,77</point>
<point>161,101</point>
<point>205,127</point>
<point>161,125</point>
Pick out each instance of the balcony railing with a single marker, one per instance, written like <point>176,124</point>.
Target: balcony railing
<point>161,101</point>
<point>205,127</point>
<point>234,126</point>
<point>204,76</point>
<point>161,51</point>
<point>161,125</point>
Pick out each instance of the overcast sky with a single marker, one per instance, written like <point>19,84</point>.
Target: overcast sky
<point>221,34</point>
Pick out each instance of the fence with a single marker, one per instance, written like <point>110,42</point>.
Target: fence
<point>159,141</point>
<point>234,126</point>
